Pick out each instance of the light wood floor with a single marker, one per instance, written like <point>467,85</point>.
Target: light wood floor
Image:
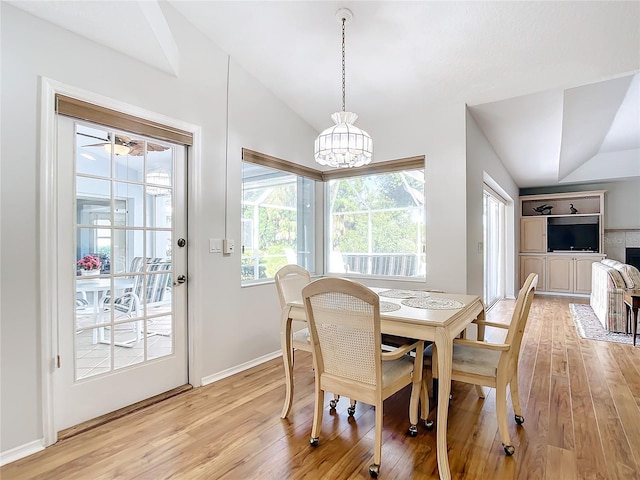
<point>580,399</point>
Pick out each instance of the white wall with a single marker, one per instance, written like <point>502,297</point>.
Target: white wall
<point>237,325</point>
<point>482,161</point>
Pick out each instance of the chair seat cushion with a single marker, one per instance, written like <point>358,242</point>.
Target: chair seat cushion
<point>392,370</point>
<point>467,359</point>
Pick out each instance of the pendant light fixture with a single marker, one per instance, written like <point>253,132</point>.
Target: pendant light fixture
<point>343,145</point>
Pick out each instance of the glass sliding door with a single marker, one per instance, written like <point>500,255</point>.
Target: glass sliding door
<point>494,247</point>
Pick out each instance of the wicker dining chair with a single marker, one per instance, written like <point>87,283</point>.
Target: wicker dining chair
<point>290,280</point>
<point>344,323</point>
<point>489,364</point>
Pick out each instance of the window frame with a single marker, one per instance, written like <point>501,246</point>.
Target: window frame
<point>322,179</point>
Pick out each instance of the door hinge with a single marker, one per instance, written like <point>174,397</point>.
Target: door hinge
<point>58,360</point>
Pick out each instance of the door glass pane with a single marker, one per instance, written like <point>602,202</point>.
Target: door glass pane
<point>131,194</point>
<point>124,271</point>
<point>128,158</point>
<point>91,358</point>
<point>127,250</point>
<point>91,147</point>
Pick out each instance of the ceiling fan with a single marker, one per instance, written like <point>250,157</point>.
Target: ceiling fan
<point>124,145</point>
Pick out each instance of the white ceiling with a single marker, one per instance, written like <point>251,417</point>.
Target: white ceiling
<point>553,85</point>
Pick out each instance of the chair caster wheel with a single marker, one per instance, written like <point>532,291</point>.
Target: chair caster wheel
<point>509,449</point>
<point>351,410</point>
<point>314,441</point>
<point>333,404</point>
<point>428,424</point>
<point>413,431</point>
<point>519,419</point>
<point>374,470</point>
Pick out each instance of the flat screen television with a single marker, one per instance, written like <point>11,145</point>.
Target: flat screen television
<point>584,237</point>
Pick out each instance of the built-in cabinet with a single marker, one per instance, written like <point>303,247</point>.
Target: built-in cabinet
<point>561,235</point>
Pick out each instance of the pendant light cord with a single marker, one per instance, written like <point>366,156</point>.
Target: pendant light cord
<point>343,66</point>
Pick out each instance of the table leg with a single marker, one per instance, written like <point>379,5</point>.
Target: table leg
<point>287,357</point>
<point>481,329</point>
<point>445,352</point>
<point>634,323</point>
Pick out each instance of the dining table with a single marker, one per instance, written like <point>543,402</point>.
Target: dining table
<point>423,315</point>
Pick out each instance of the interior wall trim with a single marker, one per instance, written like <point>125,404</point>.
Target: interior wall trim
<point>278,163</point>
<point>76,108</point>
<point>409,163</point>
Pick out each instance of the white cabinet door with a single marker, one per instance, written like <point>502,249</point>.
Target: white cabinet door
<point>533,235</point>
<point>533,264</point>
<point>560,274</point>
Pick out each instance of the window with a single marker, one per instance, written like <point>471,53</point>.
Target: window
<point>277,219</point>
<point>376,223</point>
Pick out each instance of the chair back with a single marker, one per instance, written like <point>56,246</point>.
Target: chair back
<point>520,317</point>
<point>344,323</point>
<point>290,280</point>
<point>159,281</point>
<point>152,289</point>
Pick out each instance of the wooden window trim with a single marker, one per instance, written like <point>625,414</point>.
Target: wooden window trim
<point>280,164</point>
<point>409,163</point>
<point>73,107</point>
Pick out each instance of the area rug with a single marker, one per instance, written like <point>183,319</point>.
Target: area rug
<point>588,325</point>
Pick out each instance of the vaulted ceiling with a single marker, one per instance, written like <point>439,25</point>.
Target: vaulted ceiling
<point>553,85</point>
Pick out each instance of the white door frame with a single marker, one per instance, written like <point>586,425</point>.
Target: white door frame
<point>48,227</point>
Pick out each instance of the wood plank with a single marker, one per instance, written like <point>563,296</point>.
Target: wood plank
<point>561,463</point>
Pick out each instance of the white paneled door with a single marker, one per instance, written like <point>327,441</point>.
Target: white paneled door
<point>121,270</point>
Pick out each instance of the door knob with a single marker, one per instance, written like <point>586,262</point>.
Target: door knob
<point>182,242</point>
<point>180,280</point>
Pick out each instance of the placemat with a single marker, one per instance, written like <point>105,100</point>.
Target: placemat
<point>402,293</point>
<point>389,307</point>
<point>432,303</point>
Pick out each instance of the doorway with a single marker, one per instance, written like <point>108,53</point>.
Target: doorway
<point>494,232</point>
<point>121,263</point>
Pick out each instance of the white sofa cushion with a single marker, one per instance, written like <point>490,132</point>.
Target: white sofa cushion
<point>630,274</point>
<point>611,262</point>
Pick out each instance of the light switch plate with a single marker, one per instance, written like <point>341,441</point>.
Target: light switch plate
<point>215,245</point>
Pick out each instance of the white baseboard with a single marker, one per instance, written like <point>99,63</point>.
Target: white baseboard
<point>240,368</point>
<point>22,451</point>
<point>562,294</point>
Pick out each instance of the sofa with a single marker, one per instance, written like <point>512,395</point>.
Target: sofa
<point>608,280</point>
